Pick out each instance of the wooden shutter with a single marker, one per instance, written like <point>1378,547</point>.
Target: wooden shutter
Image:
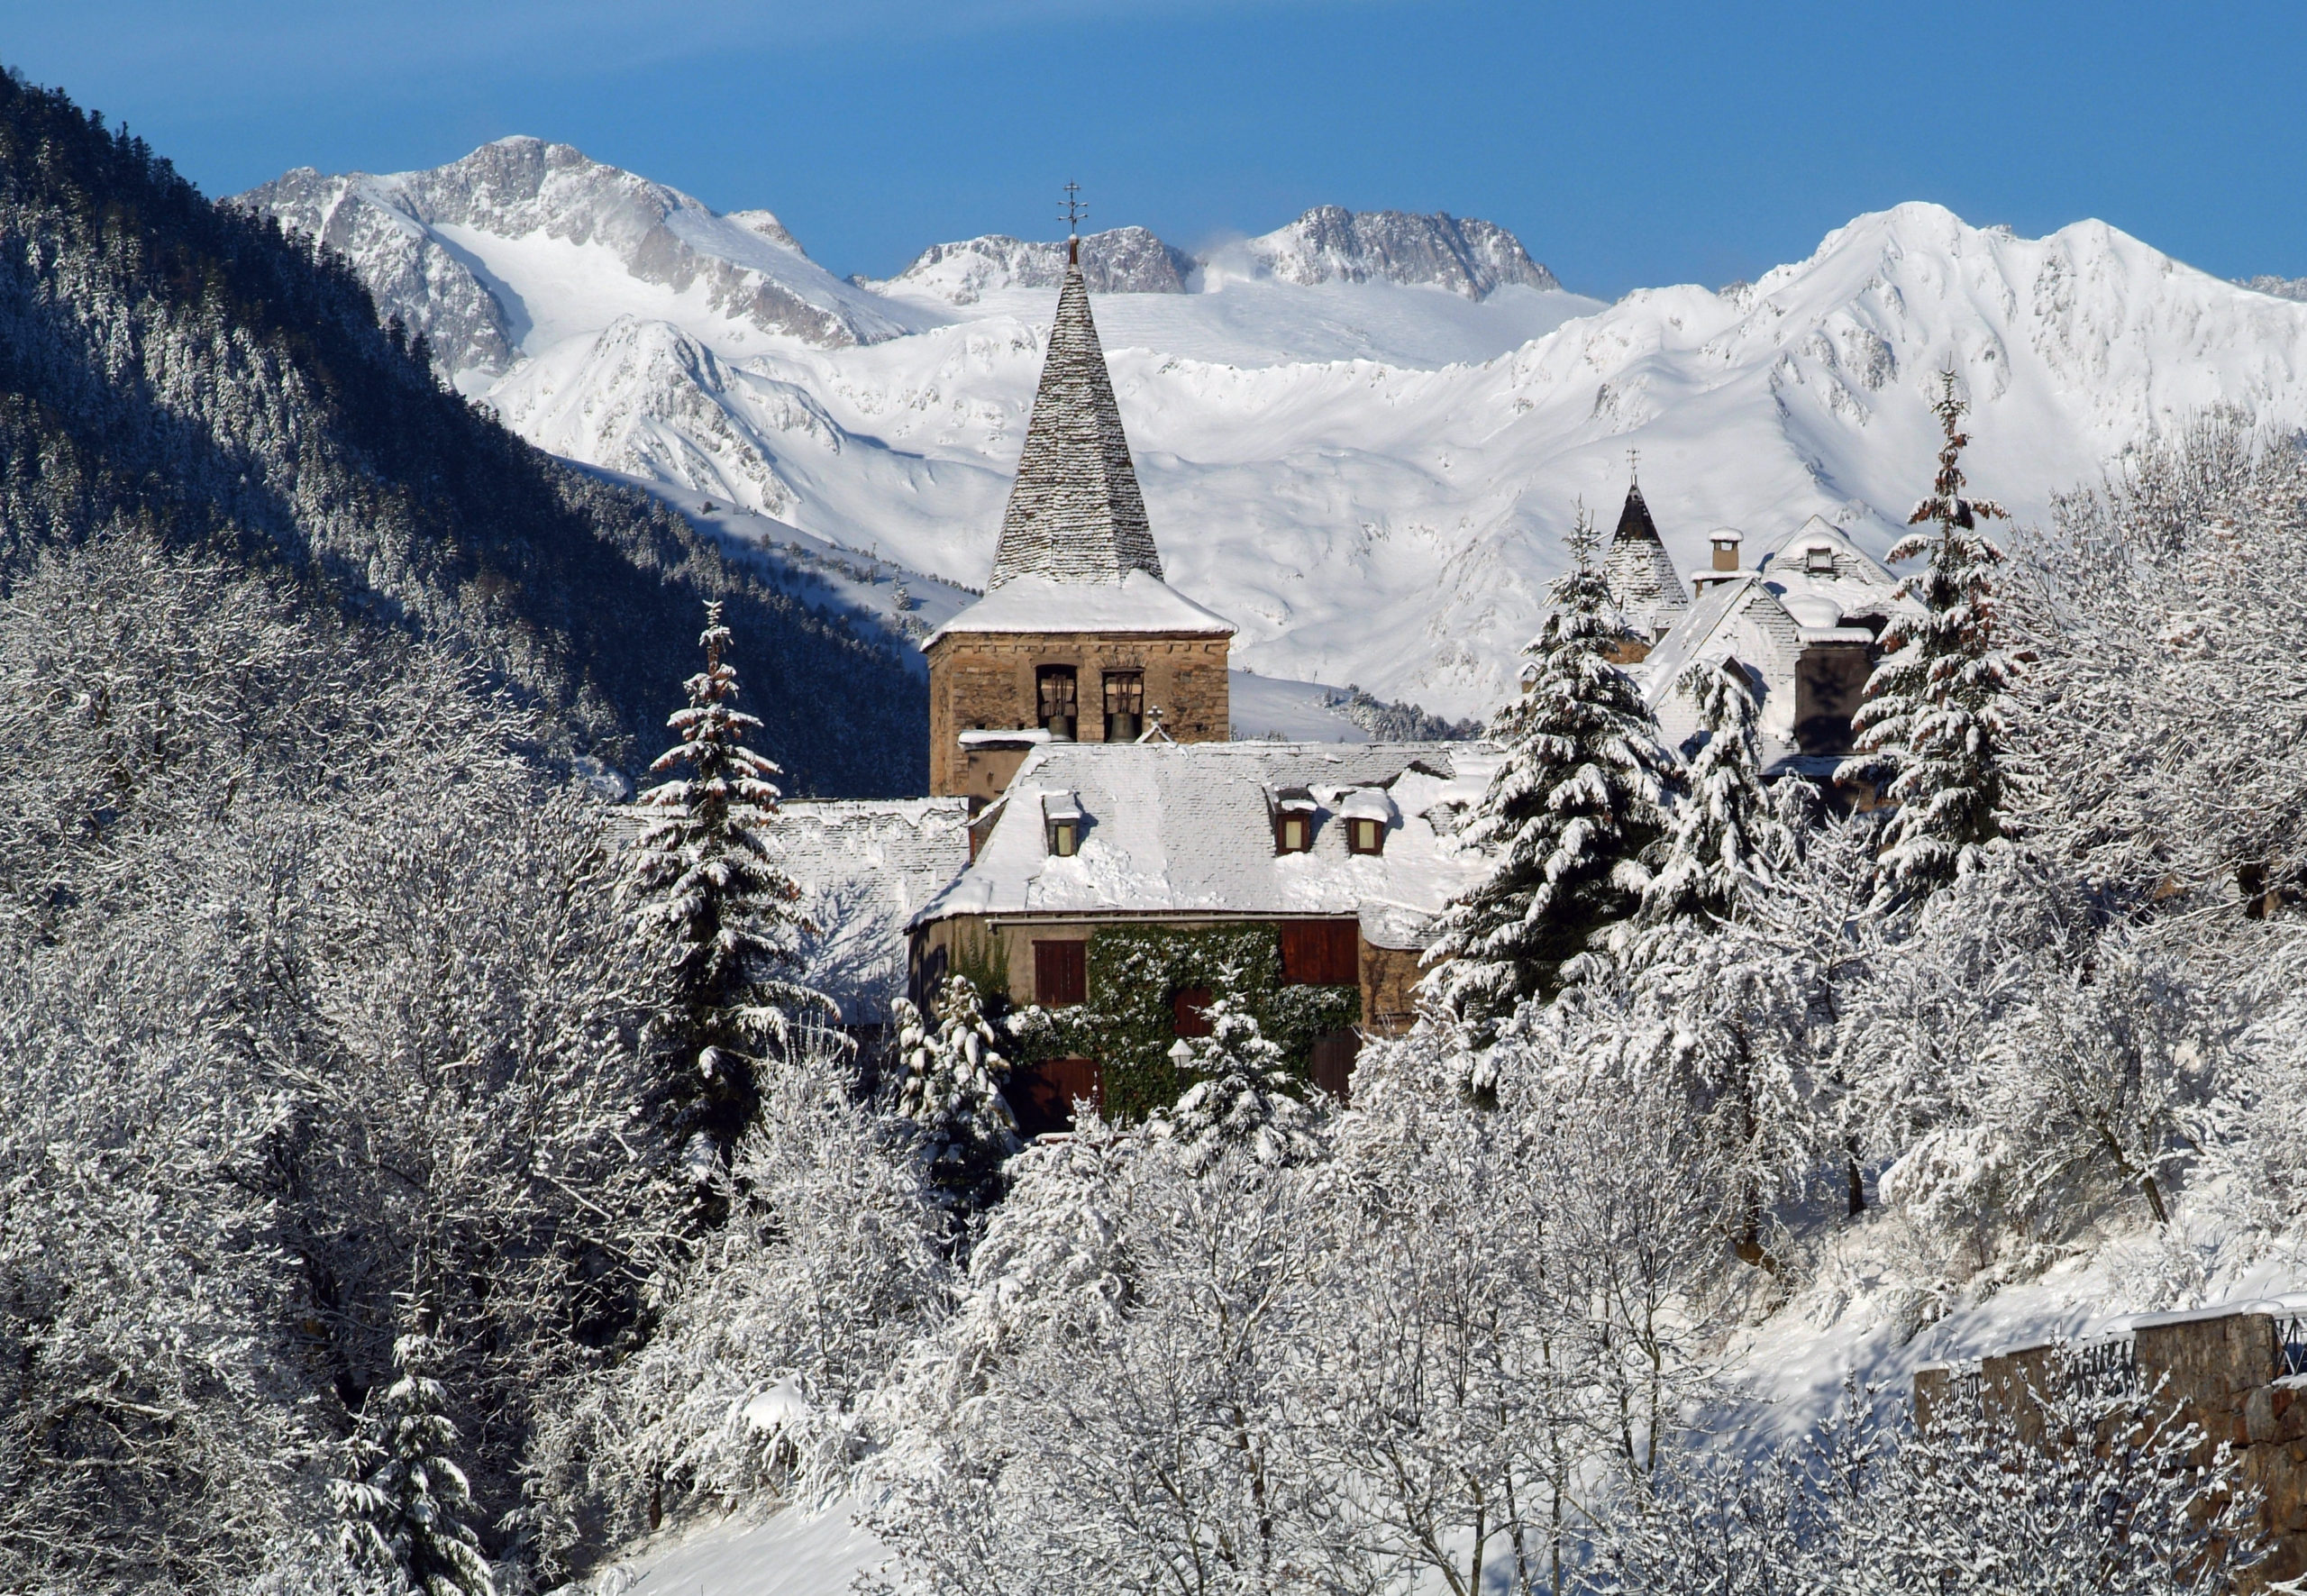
<point>1061,974</point>
<point>1321,952</point>
<point>1190,1011</point>
<point>1332,1064</point>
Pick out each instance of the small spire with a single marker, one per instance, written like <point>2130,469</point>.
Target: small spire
<point>1073,216</point>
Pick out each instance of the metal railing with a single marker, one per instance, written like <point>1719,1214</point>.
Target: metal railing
<point>2107,1367</point>
<point>2291,1343</point>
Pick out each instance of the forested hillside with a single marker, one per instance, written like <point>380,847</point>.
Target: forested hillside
<point>188,369</point>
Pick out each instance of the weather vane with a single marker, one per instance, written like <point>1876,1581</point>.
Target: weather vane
<point>1634,468</point>
<point>1075,211</point>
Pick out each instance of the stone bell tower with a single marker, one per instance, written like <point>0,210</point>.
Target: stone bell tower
<point>1078,637</point>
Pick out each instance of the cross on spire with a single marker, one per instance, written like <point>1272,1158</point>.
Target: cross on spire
<point>1634,468</point>
<point>1073,216</point>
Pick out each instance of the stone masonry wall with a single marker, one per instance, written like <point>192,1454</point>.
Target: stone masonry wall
<point>2223,1371</point>
<point>985,680</point>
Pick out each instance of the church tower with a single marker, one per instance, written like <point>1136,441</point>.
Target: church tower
<point>1078,638</point>
<point>1641,577</point>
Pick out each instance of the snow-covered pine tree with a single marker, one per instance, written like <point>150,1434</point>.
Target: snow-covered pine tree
<point>408,1513</point>
<point>716,909</point>
<point>951,1090</point>
<point>1727,831</point>
<point>1570,815</point>
<point>1933,733</point>
<point>1242,1097</point>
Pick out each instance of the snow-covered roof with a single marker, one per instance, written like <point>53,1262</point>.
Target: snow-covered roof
<point>1135,602</point>
<point>863,868</point>
<point>1640,572</point>
<point>1172,828</point>
<point>1740,618</point>
<point>1825,579</point>
<point>1075,513</point>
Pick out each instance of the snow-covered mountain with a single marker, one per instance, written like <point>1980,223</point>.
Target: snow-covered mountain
<point>1121,260</point>
<point>1331,244</point>
<point>1328,244</point>
<point>424,243</point>
<point>1370,475</point>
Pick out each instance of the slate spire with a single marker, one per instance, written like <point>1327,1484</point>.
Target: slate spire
<point>1641,574</point>
<point>1075,514</point>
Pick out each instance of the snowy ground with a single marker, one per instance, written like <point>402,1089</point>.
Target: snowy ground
<point>784,1554</point>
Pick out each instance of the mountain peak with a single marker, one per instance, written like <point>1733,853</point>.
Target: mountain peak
<point>1467,256</point>
<point>1119,261</point>
<point>746,267</point>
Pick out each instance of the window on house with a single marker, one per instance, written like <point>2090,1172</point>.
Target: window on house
<point>1819,561</point>
<point>1190,1011</point>
<point>1062,820</point>
<point>1292,808</point>
<point>1125,705</point>
<point>1366,835</point>
<point>1057,702</point>
<point>1321,952</point>
<point>1061,974</point>
<point>1042,1094</point>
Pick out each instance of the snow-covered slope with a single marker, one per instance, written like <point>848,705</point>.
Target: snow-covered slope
<point>1371,477</point>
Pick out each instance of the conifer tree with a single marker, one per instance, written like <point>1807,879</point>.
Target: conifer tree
<point>407,1514</point>
<point>1570,815</point>
<point>951,1090</point>
<point>1933,733</point>
<point>1243,1098</point>
<point>1245,1094</point>
<point>1726,827</point>
<point>718,911</point>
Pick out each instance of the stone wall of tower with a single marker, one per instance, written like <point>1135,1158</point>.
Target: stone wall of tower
<point>985,681</point>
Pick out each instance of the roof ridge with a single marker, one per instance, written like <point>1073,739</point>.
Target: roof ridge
<point>1075,512</point>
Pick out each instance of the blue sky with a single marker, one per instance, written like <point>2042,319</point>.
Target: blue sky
<point>1627,144</point>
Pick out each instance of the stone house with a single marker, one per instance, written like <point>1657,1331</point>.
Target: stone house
<point>1347,851</point>
<point>1805,620</point>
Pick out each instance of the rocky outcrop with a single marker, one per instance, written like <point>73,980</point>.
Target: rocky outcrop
<point>1120,260</point>
<point>1332,244</point>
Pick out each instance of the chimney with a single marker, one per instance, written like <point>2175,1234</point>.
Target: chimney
<point>1726,541</point>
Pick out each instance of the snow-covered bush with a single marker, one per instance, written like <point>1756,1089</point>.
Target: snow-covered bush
<point>773,1342</point>
<point>2098,1493</point>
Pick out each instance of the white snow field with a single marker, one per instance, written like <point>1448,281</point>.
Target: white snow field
<point>1368,477</point>
<point>783,1554</point>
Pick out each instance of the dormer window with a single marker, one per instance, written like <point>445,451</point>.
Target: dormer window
<point>1293,820</point>
<point>1062,819</point>
<point>1368,812</point>
<point>1818,561</point>
<point>1057,700</point>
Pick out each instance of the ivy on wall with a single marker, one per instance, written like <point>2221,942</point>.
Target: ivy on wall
<point>1128,1023</point>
